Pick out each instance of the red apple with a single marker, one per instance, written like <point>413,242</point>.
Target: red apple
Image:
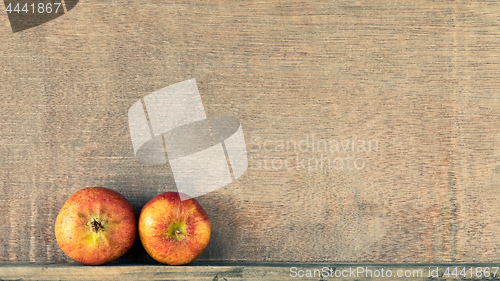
<point>95,226</point>
<point>172,231</point>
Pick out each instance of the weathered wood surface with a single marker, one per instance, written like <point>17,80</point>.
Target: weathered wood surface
<point>252,271</point>
<point>418,80</point>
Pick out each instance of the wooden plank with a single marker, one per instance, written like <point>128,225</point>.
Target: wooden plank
<point>417,79</point>
<point>252,271</point>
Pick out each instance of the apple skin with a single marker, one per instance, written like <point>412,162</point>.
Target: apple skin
<point>95,226</point>
<point>172,231</point>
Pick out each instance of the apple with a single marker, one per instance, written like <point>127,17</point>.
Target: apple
<point>174,231</point>
<point>95,226</point>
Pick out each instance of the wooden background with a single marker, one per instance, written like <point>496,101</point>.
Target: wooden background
<point>419,78</point>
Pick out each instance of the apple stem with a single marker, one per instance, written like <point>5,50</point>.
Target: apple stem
<point>96,225</point>
<point>177,233</point>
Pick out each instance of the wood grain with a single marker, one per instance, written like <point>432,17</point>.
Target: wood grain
<point>419,79</point>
